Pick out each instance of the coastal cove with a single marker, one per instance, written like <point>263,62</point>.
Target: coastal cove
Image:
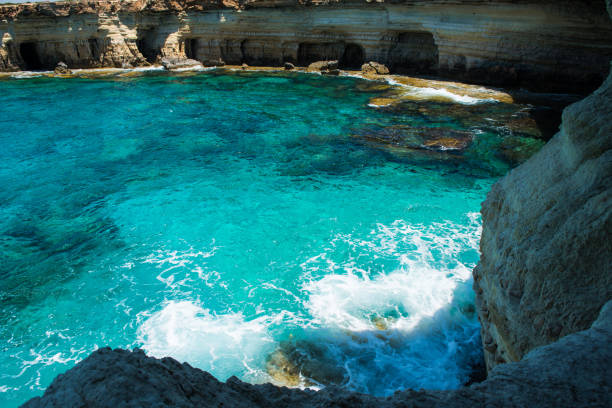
<point>333,235</point>
<point>306,203</point>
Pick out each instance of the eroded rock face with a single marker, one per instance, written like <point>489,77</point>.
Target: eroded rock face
<point>173,64</point>
<point>374,68</point>
<point>572,372</point>
<point>562,45</point>
<point>546,258</point>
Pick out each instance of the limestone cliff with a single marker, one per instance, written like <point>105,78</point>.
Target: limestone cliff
<point>542,44</point>
<point>546,248</point>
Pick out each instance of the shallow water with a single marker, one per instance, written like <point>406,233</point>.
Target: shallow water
<point>243,223</point>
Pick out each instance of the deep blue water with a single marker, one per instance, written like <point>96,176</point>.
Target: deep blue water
<point>243,223</point>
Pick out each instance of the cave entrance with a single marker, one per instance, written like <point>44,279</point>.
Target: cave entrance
<point>353,56</point>
<point>94,49</point>
<point>312,52</point>
<point>191,48</point>
<point>29,54</point>
<point>147,44</point>
<point>414,52</point>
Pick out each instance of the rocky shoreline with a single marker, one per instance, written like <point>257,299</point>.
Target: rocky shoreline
<point>501,43</point>
<point>572,372</point>
<point>543,285</point>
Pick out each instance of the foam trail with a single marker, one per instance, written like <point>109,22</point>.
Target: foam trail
<point>222,344</point>
<point>411,327</point>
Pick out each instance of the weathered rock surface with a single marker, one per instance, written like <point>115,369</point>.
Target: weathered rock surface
<point>572,372</point>
<point>180,63</point>
<point>562,45</point>
<point>322,66</point>
<point>545,268</point>
<point>62,68</point>
<point>374,68</point>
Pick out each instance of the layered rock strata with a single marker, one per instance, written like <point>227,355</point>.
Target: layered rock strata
<point>572,372</point>
<point>543,44</point>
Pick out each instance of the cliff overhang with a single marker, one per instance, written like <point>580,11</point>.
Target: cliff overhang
<point>562,46</point>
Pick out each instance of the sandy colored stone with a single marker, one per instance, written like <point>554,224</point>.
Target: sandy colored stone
<point>557,45</point>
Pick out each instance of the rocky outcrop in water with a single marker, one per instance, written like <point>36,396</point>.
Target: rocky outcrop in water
<point>556,45</point>
<point>572,372</point>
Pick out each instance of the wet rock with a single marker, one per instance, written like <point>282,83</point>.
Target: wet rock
<point>374,68</point>
<point>304,363</point>
<point>289,66</point>
<point>373,86</point>
<point>282,370</point>
<point>573,372</point>
<point>62,69</point>
<point>244,66</point>
<point>324,67</point>
<point>180,63</point>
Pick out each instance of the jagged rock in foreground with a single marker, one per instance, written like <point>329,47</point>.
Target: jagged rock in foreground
<point>545,268</point>
<point>573,372</point>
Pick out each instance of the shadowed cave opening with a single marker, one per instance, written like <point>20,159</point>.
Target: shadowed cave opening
<point>29,54</point>
<point>94,49</point>
<point>349,55</point>
<point>311,52</point>
<point>414,52</point>
<point>191,48</point>
<point>253,53</point>
<point>147,45</point>
<point>353,56</point>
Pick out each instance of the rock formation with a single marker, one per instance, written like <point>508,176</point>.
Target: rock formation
<point>374,68</point>
<point>173,64</point>
<point>546,250</point>
<point>572,372</point>
<point>560,45</point>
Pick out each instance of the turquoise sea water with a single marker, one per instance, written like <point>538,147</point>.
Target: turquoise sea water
<point>238,222</point>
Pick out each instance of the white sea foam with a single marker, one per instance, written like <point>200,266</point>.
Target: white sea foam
<point>196,68</point>
<point>405,327</point>
<point>426,93</point>
<point>425,281</point>
<point>29,74</point>
<point>226,344</point>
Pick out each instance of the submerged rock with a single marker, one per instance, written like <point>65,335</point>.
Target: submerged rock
<point>304,363</point>
<point>416,138</point>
